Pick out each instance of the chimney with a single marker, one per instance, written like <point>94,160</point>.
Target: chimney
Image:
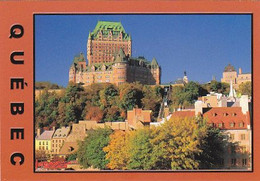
<point>38,132</point>
<point>198,107</point>
<point>239,71</point>
<point>244,103</point>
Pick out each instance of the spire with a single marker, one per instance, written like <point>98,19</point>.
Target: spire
<point>154,62</point>
<point>232,92</point>
<point>185,77</point>
<point>120,57</point>
<point>89,35</point>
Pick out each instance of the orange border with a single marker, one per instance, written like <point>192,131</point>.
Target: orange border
<point>22,13</point>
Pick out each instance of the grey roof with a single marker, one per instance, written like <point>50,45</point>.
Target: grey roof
<point>46,135</point>
<point>61,132</point>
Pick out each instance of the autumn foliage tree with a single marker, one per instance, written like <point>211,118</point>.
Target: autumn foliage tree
<point>117,152</point>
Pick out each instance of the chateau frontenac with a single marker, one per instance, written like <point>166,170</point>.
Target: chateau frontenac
<point>109,59</point>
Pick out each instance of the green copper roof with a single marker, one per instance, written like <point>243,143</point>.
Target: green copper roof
<point>106,26</point>
<point>120,57</point>
<point>79,58</point>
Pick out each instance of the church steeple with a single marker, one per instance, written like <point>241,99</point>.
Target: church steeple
<point>232,92</point>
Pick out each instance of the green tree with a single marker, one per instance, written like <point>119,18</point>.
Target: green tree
<point>152,99</point>
<point>245,89</point>
<point>212,146</point>
<point>140,150</point>
<point>130,96</point>
<point>90,152</point>
<point>46,108</point>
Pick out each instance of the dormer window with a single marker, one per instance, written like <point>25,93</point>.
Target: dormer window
<point>214,114</point>
<point>232,124</point>
<point>241,124</point>
<point>225,114</point>
<point>234,114</point>
<point>220,125</point>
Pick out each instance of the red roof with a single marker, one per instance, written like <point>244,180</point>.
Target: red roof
<point>227,117</point>
<point>183,114</point>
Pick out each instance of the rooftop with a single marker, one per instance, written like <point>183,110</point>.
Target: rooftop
<point>105,27</point>
<point>46,135</point>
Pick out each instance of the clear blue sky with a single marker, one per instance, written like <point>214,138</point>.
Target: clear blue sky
<point>200,44</point>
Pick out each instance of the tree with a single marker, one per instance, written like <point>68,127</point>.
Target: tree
<point>46,110</point>
<point>245,89</point>
<point>140,150</point>
<point>94,113</point>
<point>46,85</point>
<point>117,152</point>
<point>177,143</point>
<point>212,146</point>
<point>152,99</point>
<point>90,152</point>
<point>130,96</point>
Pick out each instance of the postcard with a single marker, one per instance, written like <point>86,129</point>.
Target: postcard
<point>130,90</point>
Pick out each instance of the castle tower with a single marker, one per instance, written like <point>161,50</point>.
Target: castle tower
<point>120,68</point>
<point>106,40</point>
<point>77,68</point>
<point>229,74</point>
<point>156,72</point>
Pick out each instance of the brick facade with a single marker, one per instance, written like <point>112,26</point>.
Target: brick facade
<point>109,59</point>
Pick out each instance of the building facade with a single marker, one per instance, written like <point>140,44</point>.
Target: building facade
<point>43,141</point>
<point>109,59</point>
<point>58,139</point>
<point>230,75</point>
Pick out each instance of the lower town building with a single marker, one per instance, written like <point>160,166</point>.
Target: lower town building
<point>136,118</point>
<point>58,139</point>
<point>43,141</point>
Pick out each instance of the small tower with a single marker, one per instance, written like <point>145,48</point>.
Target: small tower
<point>185,77</point>
<point>156,72</point>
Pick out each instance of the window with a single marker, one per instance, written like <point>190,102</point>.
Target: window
<point>243,136</point>
<point>46,147</point>
<point>233,162</point>
<point>241,124</point>
<point>233,149</point>
<point>244,162</point>
<point>243,149</point>
<point>46,142</point>
<point>40,143</point>
<point>43,143</point>
<point>40,147</point>
<point>232,137</point>
<point>232,125</point>
<point>59,141</point>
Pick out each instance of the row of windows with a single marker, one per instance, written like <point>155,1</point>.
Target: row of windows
<point>57,141</point>
<point>242,136</point>
<point>234,162</point>
<point>43,147</point>
<point>43,142</point>
<point>221,125</point>
<point>56,145</point>
<point>224,114</point>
